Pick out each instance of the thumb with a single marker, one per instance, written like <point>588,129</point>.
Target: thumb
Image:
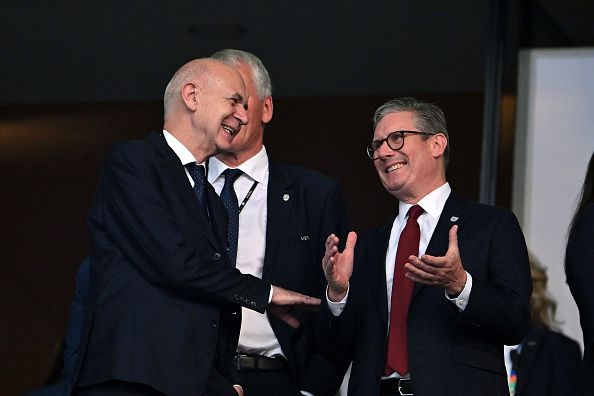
<point>351,241</point>
<point>453,239</point>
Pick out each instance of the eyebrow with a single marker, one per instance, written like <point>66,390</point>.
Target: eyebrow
<point>237,96</point>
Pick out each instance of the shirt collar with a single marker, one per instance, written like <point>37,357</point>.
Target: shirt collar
<point>255,167</point>
<point>185,156</point>
<point>432,203</point>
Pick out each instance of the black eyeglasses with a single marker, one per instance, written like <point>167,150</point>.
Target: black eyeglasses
<point>395,141</point>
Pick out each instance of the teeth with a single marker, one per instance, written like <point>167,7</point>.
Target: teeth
<point>394,167</point>
<point>230,130</point>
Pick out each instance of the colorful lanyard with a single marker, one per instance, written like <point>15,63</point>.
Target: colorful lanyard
<point>512,381</point>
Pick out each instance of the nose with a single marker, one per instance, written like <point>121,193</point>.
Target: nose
<point>241,114</point>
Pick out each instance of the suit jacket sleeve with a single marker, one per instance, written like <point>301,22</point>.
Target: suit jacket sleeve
<point>499,300</point>
<point>78,311</point>
<point>136,212</point>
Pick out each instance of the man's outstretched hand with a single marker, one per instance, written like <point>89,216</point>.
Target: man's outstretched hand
<point>283,300</point>
<point>338,266</point>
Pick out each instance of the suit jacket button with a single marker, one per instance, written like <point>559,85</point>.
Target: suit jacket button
<point>214,323</point>
<point>216,256</point>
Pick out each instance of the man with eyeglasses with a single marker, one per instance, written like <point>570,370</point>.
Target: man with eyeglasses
<point>436,293</point>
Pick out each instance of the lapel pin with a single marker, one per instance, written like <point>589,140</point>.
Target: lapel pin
<point>286,197</point>
<point>453,219</point>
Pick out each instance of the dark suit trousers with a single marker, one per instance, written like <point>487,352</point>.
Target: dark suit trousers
<point>116,388</point>
<point>268,383</point>
<point>215,386</point>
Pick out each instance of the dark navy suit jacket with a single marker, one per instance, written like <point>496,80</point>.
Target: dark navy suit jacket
<point>163,295</point>
<point>450,352</point>
<point>296,232</point>
<point>548,365</point>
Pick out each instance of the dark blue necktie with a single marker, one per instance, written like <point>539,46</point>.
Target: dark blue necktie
<point>229,199</point>
<point>198,175</point>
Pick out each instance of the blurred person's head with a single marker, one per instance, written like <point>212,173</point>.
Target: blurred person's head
<point>542,306</point>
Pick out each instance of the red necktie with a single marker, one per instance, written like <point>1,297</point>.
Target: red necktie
<point>402,287</point>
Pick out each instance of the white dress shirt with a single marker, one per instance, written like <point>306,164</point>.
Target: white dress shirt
<point>256,335</point>
<point>185,156</point>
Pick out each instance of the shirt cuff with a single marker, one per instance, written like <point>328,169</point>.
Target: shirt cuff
<point>337,307</point>
<point>270,295</point>
<point>461,301</point>
<point>306,393</point>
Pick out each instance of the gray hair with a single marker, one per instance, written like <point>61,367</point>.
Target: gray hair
<point>428,118</point>
<point>233,57</point>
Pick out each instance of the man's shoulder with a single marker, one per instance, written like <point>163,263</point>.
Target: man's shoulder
<point>135,147</point>
<point>473,207</point>
<point>302,175</point>
<point>561,339</point>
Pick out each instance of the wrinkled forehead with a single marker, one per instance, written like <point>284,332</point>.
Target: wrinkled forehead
<point>230,84</point>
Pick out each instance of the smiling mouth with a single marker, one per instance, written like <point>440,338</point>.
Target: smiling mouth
<point>394,167</point>
<point>230,130</point>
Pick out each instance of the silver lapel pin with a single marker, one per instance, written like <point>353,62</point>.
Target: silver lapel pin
<point>453,219</point>
<point>286,197</point>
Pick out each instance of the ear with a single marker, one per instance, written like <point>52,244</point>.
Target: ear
<point>189,93</point>
<point>267,110</point>
<point>439,142</point>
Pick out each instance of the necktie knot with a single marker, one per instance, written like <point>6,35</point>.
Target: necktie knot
<point>196,171</point>
<point>231,175</point>
<point>414,212</point>
<point>198,175</point>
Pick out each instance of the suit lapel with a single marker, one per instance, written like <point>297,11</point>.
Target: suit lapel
<point>453,213</point>
<point>279,204</point>
<point>376,270</point>
<point>177,175</point>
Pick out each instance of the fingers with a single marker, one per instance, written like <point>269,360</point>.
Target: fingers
<point>330,252</point>
<point>332,240</point>
<point>420,272</point>
<point>289,319</point>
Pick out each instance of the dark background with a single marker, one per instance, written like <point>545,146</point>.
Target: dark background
<point>77,77</point>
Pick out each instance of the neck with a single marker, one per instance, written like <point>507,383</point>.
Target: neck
<point>233,160</point>
<point>414,197</point>
<point>195,144</point>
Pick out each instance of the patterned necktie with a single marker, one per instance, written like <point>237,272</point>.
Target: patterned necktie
<point>402,287</point>
<point>229,199</point>
<point>198,174</point>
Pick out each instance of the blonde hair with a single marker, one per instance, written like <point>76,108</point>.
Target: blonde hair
<point>542,306</point>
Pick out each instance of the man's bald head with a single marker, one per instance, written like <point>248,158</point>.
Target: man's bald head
<point>201,72</point>
<point>205,106</point>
